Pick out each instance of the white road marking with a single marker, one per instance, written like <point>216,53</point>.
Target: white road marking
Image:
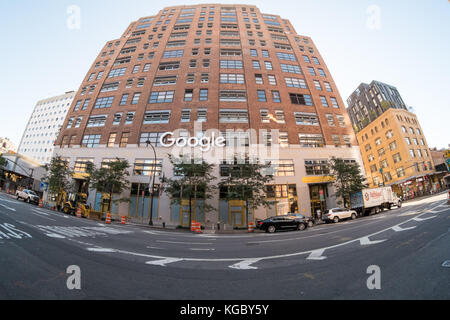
<point>6,207</point>
<point>366,241</point>
<point>245,265</point>
<point>317,255</point>
<point>191,243</point>
<point>10,231</point>
<point>40,212</point>
<point>101,250</point>
<point>156,248</point>
<point>399,229</point>
<point>446,264</point>
<point>163,262</point>
<point>55,235</point>
<point>199,249</point>
<point>423,219</point>
<point>41,216</point>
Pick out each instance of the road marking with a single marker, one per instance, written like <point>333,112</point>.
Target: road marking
<point>399,229</point>
<point>10,231</point>
<point>40,212</point>
<point>199,249</point>
<point>55,235</point>
<point>245,265</point>
<point>156,248</point>
<point>9,208</point>
<point>163,262</point>
<point>366,241</point>
<point>446,264</point>
<point>192,243</point>
<point>101,250</point>
<point>317,255</point>
<point>423,219</point>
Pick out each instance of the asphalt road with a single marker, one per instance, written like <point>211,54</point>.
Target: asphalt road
<point>409,246</point>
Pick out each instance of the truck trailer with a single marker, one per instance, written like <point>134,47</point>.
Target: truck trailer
<point>369,201</point>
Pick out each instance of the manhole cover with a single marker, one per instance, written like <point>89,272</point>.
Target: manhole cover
<point>446,264</point>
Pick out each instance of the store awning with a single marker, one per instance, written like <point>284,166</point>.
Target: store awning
<point>80,176</point>
<point>318,179</point>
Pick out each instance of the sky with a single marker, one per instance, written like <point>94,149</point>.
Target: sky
<point>402,43</point>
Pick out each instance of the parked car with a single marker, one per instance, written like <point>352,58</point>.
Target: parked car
<point>309,220</point>
<point>280,223</point>
<point>28,195</point>
<point>338,214</point>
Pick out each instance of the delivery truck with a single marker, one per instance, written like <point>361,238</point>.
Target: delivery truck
<point>369,201</point>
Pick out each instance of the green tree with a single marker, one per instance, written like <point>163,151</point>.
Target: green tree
<point>3,163</point>
<point>58,176</point>
<point>247,182</point>
<point>110,179</point>
<point>348,178</point>
<point>192,180</point>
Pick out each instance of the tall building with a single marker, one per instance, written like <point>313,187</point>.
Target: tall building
<point>229,69</point>
<point>393,145</point>
<point>6,146</point>
<point>43,127</point>
<point>369,101</point>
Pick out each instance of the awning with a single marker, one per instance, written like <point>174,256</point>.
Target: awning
<point>80,176</point>
<point>318,179</point>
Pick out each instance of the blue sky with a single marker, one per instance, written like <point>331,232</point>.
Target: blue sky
<point>42,57</point>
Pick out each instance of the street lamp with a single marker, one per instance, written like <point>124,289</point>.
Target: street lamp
<point>152,181</point>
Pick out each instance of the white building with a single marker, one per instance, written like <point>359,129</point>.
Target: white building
<point>7,146</point>
<point>43,127</point>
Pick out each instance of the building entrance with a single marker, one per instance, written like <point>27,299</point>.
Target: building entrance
<point>318,193</point>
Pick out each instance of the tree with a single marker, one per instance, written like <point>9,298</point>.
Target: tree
<point>58,176</point>
<point>348,178</point>
<point>110,179</point>
<point>247,182</point>
<point>195,181</point>
<point>3,163</point>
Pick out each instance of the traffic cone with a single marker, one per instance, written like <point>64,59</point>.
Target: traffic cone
<point>251,227</point>
<point>108,218</point>
<point>193,223</point>
<point>123,220</point>
<point>79,213</point>
<point>41,203</point>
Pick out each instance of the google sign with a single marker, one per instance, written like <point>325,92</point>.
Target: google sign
<point>206,143</point>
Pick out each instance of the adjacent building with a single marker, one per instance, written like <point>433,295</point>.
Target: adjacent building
<point>393,145</point>
<point>214,71</point>
<point>43,127</point>
<point>6,146</point>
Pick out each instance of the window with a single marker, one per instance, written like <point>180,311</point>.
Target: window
<point>341,121</point>
<point>203,94</point>
<point>188,95</point>
<point>233,96</point>
<point>295,83</point>
<point>155,117</point>
<point>302,99</point>
<point>153,137</point>
<point>324,101</point>
<point>282,168</point>
<point>259,79</point>
<point>178,43</point>
<point>262,96</point>
<point>330,119</point>
<point>316,60</point>
<point>408,141</point>
<point>317,85</point>
<point>202,115</point>
<point>136,98</point>
<point>264,115</point>
<point>327,86</point>
<point>253,52</point>
<point>147,167</point>
<point>81,164</point>
<point>77,105</point>
<point>146,67</point>
<point>193,64</point>
<point>291,68</point>
<point>276,96</point>
<point>104,103</point>
<point>268,65</point>
<point>162,97</point>
<point>233,116</point>
<point>389,134</point>
<point>272,80</point>
<point>169,66</point>
<point>230,42</point>
<point>232,78</point>
<point>336,140</point>
<point>186,115</point>
<point>317,167</point>
<point>173,54</point>
<point>381,152</point>
<point>117,119</point>
<point>91,141</point>
<point>286,56</point>
<point>136,69</point>
<point>124,99</point>
<point>279,116</point>
<point>231,64</point>
<point>111,140</point>
<point>204,78</point>
<point>96,121</point>
<point>113,86</point>
<point>335,103</point>
<point>306,119</point>
<point>230,52</point>
<point>306,59</point>
<point>256,65</point>
<point>393,145</point>
<point>397,158</point>
<point>165,81</point>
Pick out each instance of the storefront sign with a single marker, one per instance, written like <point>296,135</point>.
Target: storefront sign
<point>205,143</point>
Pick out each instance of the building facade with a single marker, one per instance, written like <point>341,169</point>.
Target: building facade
<point>6,146</point>
<point>43,127</point>
<point>369,101</point>
<point>395,153</point>
<point>225,71</point>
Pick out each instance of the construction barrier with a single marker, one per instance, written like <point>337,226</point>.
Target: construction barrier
<point>192,225</point>
<point>197,227</point>
<point>41,203</point>
<point>108,218</point>
<point>79,213</point>
<point>124,220</point>
<point>251,227</point>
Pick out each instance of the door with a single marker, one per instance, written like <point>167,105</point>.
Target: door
<point>237,213</point>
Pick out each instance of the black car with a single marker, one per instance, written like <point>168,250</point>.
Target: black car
<point>280,223</point>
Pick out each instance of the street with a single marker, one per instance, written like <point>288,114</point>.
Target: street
<point>409,245</point>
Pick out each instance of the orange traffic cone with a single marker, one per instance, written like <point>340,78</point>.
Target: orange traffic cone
<point>123,220</point>
<point>41,203</point>
<point>251,227</point>
<point>79,213</point>
<point>108,218</point>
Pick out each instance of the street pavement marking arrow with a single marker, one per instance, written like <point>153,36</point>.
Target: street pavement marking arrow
<point>366,241</point>
<point>399,229</point>
<point>423,219</point>
<point>245,265</point>
<point>317,255</point>
<point>9,208</point>
<point>164,262</point>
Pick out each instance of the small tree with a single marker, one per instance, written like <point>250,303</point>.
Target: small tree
<point>195,181</point>
<point>110,179</point>
<point>58,176</point>
<point>348,179</point>
<point>3,163</point>
<point>247,182</point>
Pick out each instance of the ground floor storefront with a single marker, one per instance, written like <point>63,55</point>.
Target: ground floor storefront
<point>301,184</point>
<point>419,186</point>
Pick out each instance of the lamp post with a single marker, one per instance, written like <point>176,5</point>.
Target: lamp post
<point>152,181</point>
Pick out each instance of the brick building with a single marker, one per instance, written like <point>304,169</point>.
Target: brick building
<point>196,70</point>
